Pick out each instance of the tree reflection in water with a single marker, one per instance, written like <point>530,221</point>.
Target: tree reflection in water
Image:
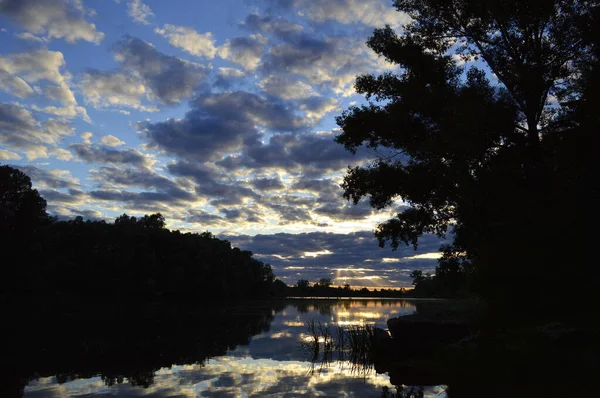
<point>120,341</point>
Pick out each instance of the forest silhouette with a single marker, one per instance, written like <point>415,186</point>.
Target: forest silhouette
<point>128,258</point>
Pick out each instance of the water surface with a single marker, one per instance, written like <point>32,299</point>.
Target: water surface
<point>242,351</point>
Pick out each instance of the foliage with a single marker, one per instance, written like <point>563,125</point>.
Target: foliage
<point>493,161</point>
<point>131,257</point>
<point>22,209</point>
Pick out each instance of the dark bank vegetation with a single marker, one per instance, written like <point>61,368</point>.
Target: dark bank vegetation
<point>324,288</point>
<point>501,152</point>
<point>128,258</point>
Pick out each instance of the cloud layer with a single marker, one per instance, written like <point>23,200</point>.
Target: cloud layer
<point>223,122</point>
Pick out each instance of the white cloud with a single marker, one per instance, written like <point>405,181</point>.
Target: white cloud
<point>8,155</point>
<point>14,85</point>
<point>375,13</point>
<point>66,112</point>
<point>61,19</point>
<point>107,90</point>
<point>86,137</point>
<point>31,37</point>
<point>231,72</point>
<point>18,71</point>
<point>286,87</point>
<point>198,44</point>
<point>112,141</point>
<point>61,154</point>
<point>140,12</point>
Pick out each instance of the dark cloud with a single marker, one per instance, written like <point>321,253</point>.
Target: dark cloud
<point>169,78</point>
<point>203,217</point>
<point>19,129</point>
<point>277,26</point>
<point>108,176</point>
<point>210,184</point>
<point>267,184</point>
<point>54,196</point>
<point>313,154</point>
<point>140,200</point>
<point>103,154</point>
<point>56,179</point>
<point>345,211</point>
<point>211,127</point>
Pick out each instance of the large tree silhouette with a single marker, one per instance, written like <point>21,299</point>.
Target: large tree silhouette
<point>490,149</point>
<point>22,208</point>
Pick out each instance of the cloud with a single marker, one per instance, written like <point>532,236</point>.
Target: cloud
<point>169,78</point>
<point>37,66</point>
<point>70,111</point>
<point>245,51</point>
<point>50,178</point>
<point>110,179</point>
<point>267,184</point>
<point>310,153</point>
<point>31,37</point>
<point>60,19</point>
<point>20,130</point>
<point>107,90</point>
<point>227,77</point>
<point>111,140</point>
<point>198,44</point>
<point>353,258</point>
<point>286,87</point>
<point>14,84</point>
<point>8,155</point>
<point>139,11</point>
<point>279,27</point>
<point>211,184</point>
<point>373,13</point>
<point>210,128</point>
<point>330,62</point>
<point>102,154</point>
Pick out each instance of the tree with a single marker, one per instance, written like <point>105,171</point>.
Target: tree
<point>22,209</point>
<point>417,276</point>
<point>302,284</point>
<point>124,220</point>
<point>154,221</point>
<point>324,283</point>
<point>485,158</point>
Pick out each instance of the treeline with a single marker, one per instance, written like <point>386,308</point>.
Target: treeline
<point>130,257</point>
<point>324,288</point>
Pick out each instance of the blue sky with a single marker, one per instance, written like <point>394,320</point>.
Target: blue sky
<point>219,115</point>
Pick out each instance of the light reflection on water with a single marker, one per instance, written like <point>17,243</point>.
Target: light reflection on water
<point>272,364</point>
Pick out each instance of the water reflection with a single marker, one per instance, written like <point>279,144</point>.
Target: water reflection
<point>187,351</point>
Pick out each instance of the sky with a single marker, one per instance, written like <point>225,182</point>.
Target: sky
<point>219,115</point>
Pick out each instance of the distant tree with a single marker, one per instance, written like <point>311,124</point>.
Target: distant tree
<point>302,284</point>
<point>22,209</point>
<point>347,287</point>
<point>154,221</point>
<point>124,219</point>
<point>324,283</point>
